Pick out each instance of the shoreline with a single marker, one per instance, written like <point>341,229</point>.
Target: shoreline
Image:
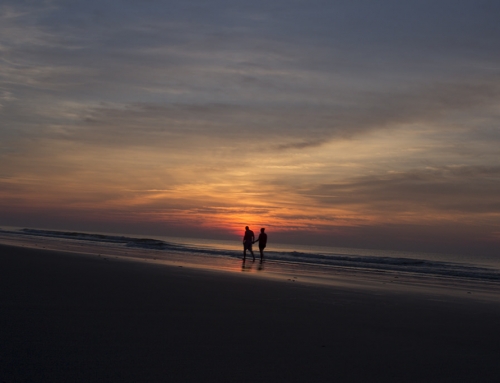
<point>67,317</point>
<point>333,276</point>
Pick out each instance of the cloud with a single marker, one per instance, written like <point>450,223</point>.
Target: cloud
<point>300,145</point>
<point>197,70</point>
<point>447,190</point>
<point>282,127</point>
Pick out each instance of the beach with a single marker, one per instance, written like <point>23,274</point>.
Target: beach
<point>73,317</point>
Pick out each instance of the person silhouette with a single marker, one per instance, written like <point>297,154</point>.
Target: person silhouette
<point>262,242</point>
<point>248,239</point>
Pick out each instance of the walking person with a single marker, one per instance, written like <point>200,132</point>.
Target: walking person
<point>262,242</point>
<point>248,239</point>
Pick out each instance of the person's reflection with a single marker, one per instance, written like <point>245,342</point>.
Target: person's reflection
<point>245,267</point>
<point>261,265</point>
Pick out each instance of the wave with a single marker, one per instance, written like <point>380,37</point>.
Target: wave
<point>393,264</point>
<point>325,260</point>
<point>143,243</point>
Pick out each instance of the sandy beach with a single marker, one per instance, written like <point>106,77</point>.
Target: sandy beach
<point>68,317</point>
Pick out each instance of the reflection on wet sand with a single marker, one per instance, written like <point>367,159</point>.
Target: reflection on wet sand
<point>248,267</point>
<point>261,265</point>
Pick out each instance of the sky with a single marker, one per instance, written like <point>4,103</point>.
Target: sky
<point>346,123</point>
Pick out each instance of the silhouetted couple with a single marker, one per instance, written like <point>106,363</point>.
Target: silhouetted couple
<point>249,239</point>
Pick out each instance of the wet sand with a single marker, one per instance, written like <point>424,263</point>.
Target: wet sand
<point>68,317</point>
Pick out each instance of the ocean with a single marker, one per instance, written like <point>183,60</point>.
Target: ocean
<point>317,260</point>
